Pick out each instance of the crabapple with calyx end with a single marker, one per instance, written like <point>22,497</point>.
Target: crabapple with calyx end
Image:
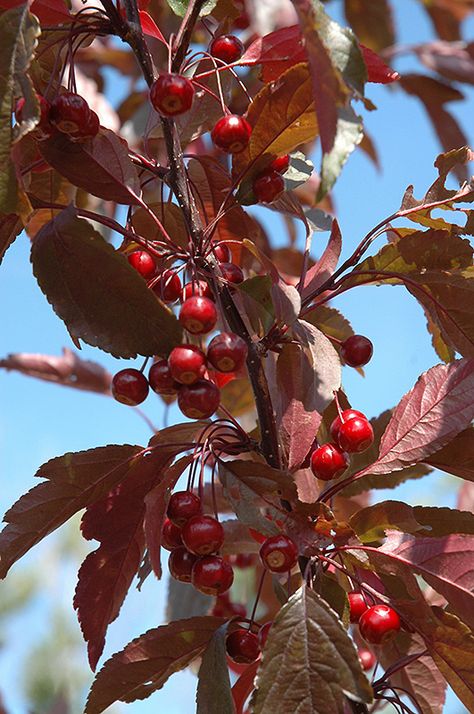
<point>171,535</point>
<point>231,134</point>
<point>182,506</point>
<point>279,553</point>
<point>187,363</point>
<point>181,563</point>
<point>171,94</point>
<point>243,646</point>
<point>198,315</point>
<point>130,386</point>
<point>199,400</point>
<point>328,462</point>
<point>227,352</point>
<point>227,48</point>
<point>69,112</point>
<point>212,575</point>
<point>357,350</point>
<point>379,623</point>
<point>161,380</point>
<point>355,435</point>
<point>203,535</point>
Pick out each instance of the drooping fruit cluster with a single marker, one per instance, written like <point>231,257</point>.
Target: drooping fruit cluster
<point>269,184</point>
<point>171,94</point>
<point>351,432</point>
<point>377,623</point>
<point>196,559</point>
<point>68,113</point>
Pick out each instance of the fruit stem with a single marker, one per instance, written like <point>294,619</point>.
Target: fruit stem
<point>183,38</point>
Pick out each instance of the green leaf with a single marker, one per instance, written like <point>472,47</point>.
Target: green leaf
<point>214,694</point>
<point>145,664</point>
<point>179,7</point>
<point>371,523</point>
<point>309,662</point>
<point>330,321</point>
<point>99,296</point>
<point>349,133</point>
<point>19,31</point>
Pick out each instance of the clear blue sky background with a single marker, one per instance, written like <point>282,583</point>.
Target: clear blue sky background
<point>39,421</point>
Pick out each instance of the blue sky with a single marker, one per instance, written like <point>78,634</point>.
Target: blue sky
<point>39,421</point>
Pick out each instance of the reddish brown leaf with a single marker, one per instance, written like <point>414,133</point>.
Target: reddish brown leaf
<point>457,457</point>
<point>327,263</point>
<point>145,664</point>
<point>150,27</point>
<point>50,12</point>
<point>74,481</point>
<point>68,370</point>
<point>440,406</point>
<point>451,61</point>
<point>100,166</point>
<point>99,296</point>
<point>244,686</point>
<point>377,70</point>
<point>276,52</point>
<point>10,227</point>
<point>372,22</point>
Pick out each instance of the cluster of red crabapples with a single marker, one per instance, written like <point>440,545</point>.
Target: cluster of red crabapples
<point>194,541</point>
<point>377,624</point>
<point>184,374</point>
<point>352,433</point>
<point>68,113</point>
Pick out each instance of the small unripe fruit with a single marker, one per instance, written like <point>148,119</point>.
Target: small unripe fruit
<point>130,386</point>
<point>242,646</point>
<point>379,623</point>
<point>227,48</point>
<point>212,575</point>
<point>199,400</point>
<point>227,352</point>
<point>182,506</point>
<point>356,350</point>
<point>328,462</point>
<point>171,94</point>
<point>143,263</point>
<point>231,134</point>
<point>198,315</point>
<point>203,535</point>
<point>187,363</point>
<point>279,554</point>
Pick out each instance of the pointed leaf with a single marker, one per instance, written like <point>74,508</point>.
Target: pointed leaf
<point>214,695</point>
<point>145,664</point>
<point>309,662</point>
<point>74,481</point>
<point>377,70</point>
<point>99,296</point>
<point>372,22</point>
<point>100,166</point>
<point>327,263</point>
<point>184,601</point>
<point>10,227</point>
<point>349,133</point>
<point>276,52</point>
<point>440,406</point>
<point>179,7</point>
<point>457,457</point>
<point>330,321</point>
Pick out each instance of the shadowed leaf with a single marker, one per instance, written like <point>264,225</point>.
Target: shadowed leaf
<point>457,457</point>
<point>214,694</point>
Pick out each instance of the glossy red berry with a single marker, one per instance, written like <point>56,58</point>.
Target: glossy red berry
<point>69,113</point>
<point>143,263</point>
<point>232,273</point>
<point>168,286</point>
<point>280,164</point>
<point>197,287</point>
<point>227,48</point>
<point>355,435</point>
<point>130,386</point>
<point>198,315</point>
<point>242,646</point>
<point>221,252</point>
<point>181,563</point>
<point>182,506</point>
<point>231,134</point>
<point>268,186</point>
<point>367,659</point>
<point>379,623</point>
<point>171,535</point>
<point>89,129</point>
<point>357,350</point>
<point>357,605</point>
<point>345,416</point>
<point>187,363</point>
<point>227,352</point>
<point>199,400</point>
<point>203,535</point>
<point>328,462</point>
<point>160,378</point>
<point>263,633</point>
<point>212,575</point>
<point>171,94</point>
<point>279,554</point>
